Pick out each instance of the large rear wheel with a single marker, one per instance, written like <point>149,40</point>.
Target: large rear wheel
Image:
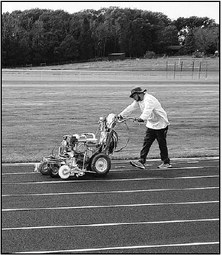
<point>101,164</point>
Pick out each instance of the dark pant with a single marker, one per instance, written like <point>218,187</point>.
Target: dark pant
<point>151,135</point>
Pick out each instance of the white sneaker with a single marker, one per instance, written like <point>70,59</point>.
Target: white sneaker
<point>164,166</point>
<point>137,163</point>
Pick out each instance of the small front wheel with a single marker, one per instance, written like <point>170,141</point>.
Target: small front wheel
<point>54,171</point>
<point>101,164</point>
<point>44,168</point>
<point>64,172</point>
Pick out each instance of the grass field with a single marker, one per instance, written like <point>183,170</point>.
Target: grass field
<point>40,105</point>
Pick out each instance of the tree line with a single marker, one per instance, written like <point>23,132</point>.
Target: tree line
<point>45,36</point>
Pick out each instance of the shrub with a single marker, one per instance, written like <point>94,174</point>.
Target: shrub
<point>150,54</point>
<point>198,54</point>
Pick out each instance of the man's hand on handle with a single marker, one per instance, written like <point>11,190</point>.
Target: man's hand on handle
<point>121,118</point>
<point>139,120</point>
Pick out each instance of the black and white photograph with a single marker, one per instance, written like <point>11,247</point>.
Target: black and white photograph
<point>110,127</point>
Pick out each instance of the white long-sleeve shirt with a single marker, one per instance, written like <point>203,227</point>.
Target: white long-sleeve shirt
<point>152,112</point>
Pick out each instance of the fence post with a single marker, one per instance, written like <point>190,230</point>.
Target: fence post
<point>192,68</point>
<point>174,70</point>
<point>181,66</point>
<point>206,70</point>
<point>199,70</point>
<point>166,68</point>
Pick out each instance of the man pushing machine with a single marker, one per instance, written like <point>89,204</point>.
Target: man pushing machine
<point>156,122</point>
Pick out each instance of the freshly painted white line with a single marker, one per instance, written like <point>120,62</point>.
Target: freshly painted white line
<point>168,169</point>
<point>111,224</point>
<point>112,170</point>
<point>119,160</point>
<point>20,173</point>
<point>106,192</point>
<point>125,247</point>
<point>106,206</point>
<point>119,169</point>
<point>112,180</point>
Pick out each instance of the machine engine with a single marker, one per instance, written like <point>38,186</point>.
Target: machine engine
<point>78,146</point>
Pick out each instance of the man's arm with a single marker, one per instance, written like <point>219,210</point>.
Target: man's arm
<point>129,109</point>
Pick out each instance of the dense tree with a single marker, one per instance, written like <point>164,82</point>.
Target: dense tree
<point>38,43</point>
<point>189,44</point>
<point>192,22</point>
<point>166,37</point>
<point>206,39</point>
<point>40,35</point>
<point>15,40</point>
<point>68,49</point>
<point>54,30</point>
<point>195,34</point>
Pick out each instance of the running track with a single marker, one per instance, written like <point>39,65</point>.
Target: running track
<point>129,211</point>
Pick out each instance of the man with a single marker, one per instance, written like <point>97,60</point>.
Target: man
<point>156,123</point>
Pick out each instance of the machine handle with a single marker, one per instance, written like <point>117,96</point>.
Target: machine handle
<point>90,135</point>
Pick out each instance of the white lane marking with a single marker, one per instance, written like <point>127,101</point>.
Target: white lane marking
<point>126,161</point>
<point>167,169</point>
<point>123,170</point>
<point>111,224</point>
<point>25,173</point>
<point>118,169</point>
<point>106,192</point>
<point>113,180</point>
<point>125,247</point>
<point>106,206</point>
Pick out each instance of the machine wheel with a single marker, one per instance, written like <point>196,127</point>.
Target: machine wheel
<point>101,164</point>
<point>44,168</point>
<point>54,171</point>
<point>64,171</point>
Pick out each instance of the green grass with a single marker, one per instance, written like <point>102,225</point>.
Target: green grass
<point>212,64</point>
<point>38,108</point>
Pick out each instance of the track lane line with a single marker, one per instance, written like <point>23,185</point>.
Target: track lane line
<point>112,224</point>
<point>126,247</point>
<point>106,206</point>
<point>113,180</point>
<point>106,192</point>
<point>116,161</point>
<point>116,169</point>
